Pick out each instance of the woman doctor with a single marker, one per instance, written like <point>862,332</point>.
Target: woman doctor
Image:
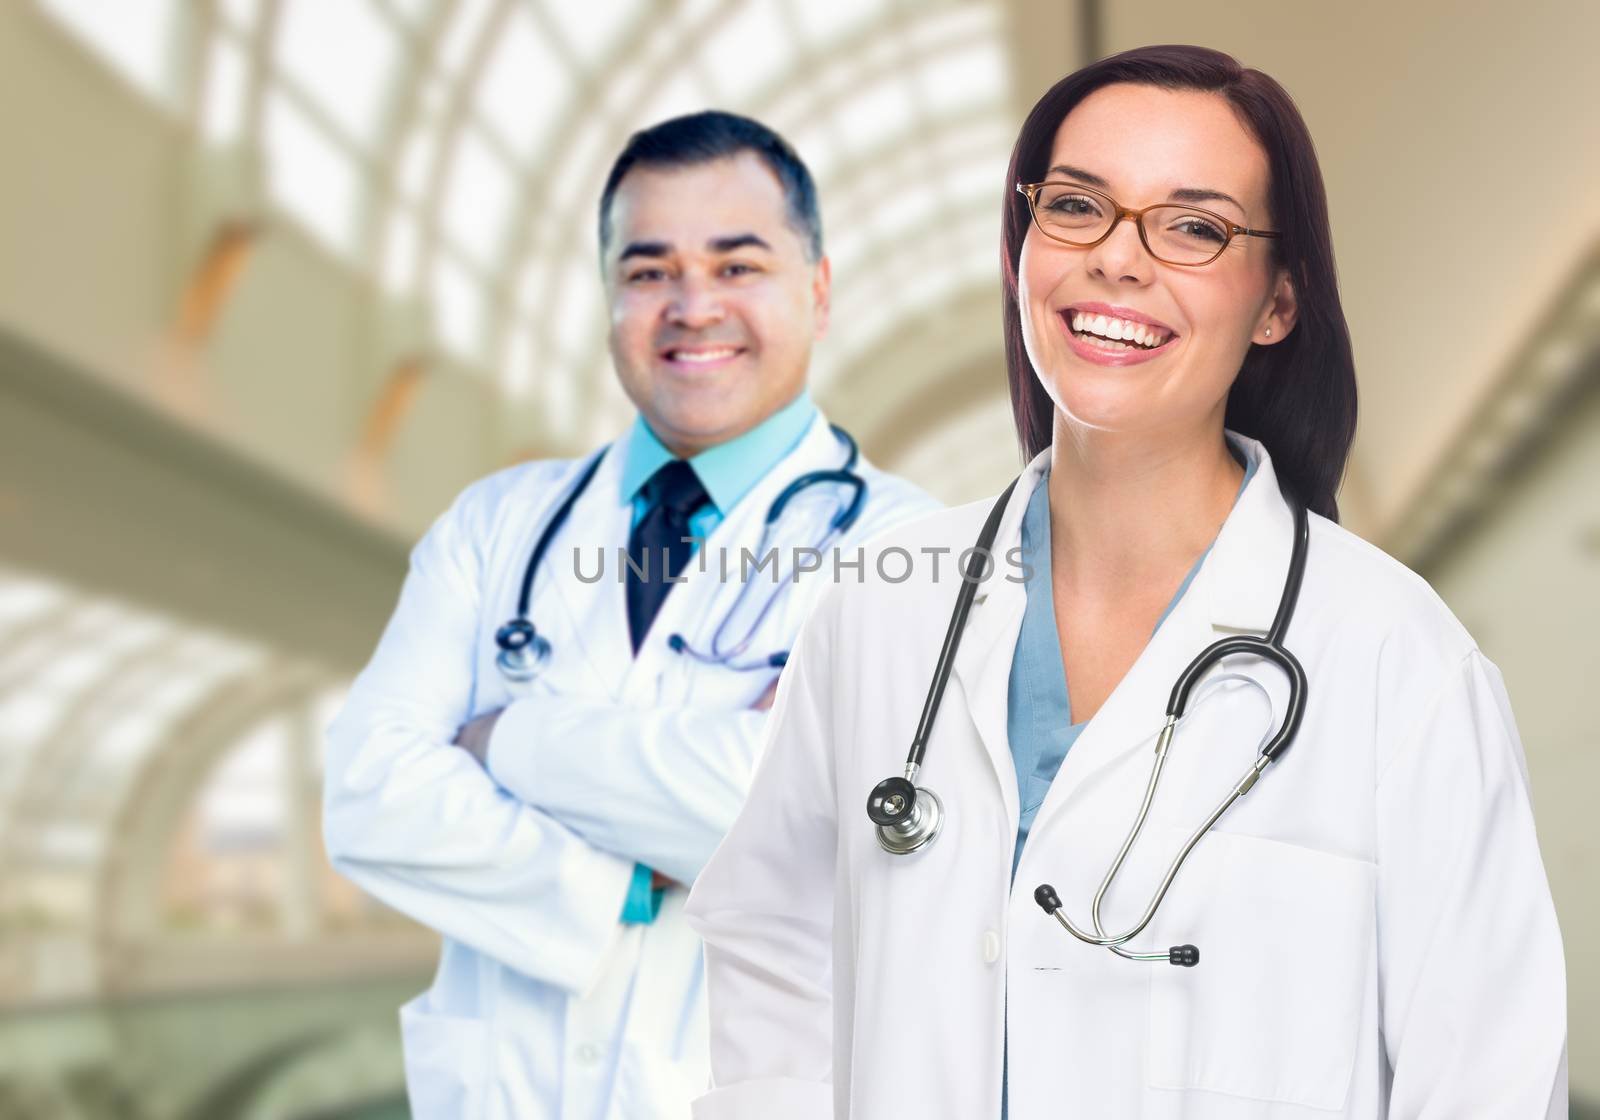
<point>1374,931</point>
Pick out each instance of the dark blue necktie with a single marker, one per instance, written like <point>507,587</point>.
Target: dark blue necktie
<point>656,546</point>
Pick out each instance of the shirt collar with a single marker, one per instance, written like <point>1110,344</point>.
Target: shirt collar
<point>727,470</point>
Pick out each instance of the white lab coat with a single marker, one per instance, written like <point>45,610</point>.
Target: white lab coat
<point>1376,933</point>
<point>544,1004</point>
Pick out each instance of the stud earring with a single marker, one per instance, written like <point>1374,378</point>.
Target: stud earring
<point>1269,332</point>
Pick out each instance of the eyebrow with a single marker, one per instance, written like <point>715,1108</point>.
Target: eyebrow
<point>725,244</point>
<point>1183,194</point>
<point>645,249</point>
<point>738,241</point>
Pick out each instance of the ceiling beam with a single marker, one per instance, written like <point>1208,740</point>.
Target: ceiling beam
<point>1550,374</point>
<point>102,492</point>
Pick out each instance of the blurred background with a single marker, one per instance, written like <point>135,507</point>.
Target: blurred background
<point>279,277</point>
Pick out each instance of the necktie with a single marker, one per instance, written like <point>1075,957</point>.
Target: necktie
<point>656,547</point>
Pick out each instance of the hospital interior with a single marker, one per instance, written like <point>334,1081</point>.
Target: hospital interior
<point>279,277</point>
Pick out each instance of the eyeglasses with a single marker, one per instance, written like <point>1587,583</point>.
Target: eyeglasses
<point>1172,233</point>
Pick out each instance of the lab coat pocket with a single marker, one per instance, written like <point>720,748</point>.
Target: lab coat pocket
<point>651,1086</point>
<point>447,1063</point>
<point>1273,1010</point>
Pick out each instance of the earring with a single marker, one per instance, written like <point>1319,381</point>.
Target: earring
<point>1269,332</point>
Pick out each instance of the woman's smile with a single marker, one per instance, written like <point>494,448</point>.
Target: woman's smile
<point>1114,336</point>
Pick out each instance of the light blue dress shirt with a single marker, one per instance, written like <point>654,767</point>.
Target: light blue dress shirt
<point>1038,709</point>
<point>728,471</point>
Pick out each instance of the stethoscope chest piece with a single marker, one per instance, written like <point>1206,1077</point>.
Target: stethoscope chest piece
<point>908,817</point>
<point>523,650</point>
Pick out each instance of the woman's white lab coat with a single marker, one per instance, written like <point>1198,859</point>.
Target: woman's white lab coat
<point>1375,929</point>
<point>544,1004</point>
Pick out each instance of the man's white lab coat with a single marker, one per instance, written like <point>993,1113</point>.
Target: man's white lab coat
<point>544,1004</point>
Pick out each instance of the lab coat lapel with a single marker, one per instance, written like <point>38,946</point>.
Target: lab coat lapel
<point>1251,556</point>
<point>704,594</point>
<point>1132,716</point>
<point>587,545</point>
<point>982,665</point>
<point>1235,591</point>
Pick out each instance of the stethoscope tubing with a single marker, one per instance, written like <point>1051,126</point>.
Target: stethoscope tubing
<point>893,806</point>
<point>552,527</point>
<point>844,476</point>
<point>527,635</point>
<point>952,634</point>
<point>1271,649</point>
<point>728,658</point>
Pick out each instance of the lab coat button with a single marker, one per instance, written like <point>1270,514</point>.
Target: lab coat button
<point>588,1054</point>
<point>991,946</point>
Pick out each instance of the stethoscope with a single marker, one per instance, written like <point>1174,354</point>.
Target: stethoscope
<point>524,652</point>
<point>908,817</point>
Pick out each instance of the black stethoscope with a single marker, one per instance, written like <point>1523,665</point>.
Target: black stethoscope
<point>523,651</point>
<point>908,817</point>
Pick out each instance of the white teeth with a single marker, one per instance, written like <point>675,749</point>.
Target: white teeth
<point>700,355</point>
<point>1119,330</point>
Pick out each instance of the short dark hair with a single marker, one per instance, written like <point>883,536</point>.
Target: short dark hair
<point>710,135</point>
<point>1297,397</point>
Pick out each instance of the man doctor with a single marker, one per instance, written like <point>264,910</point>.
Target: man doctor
<point>545,828</point>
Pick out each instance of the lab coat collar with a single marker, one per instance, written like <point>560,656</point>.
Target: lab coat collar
<point>1252,551</point>
<point>1257,537</point>
<point>704,599</point>
<point>1236,590</point>
<point>982,666</point>
<point>728,470</point>
<point>601,518</point>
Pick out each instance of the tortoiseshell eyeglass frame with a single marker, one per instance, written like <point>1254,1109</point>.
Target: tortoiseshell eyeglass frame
<point>1030,191</point>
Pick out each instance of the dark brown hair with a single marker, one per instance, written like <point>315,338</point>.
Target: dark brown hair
<point>711,135</point>
<point>1297,397</point>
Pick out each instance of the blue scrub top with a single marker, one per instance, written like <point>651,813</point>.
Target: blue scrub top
<point>1038,710</point>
